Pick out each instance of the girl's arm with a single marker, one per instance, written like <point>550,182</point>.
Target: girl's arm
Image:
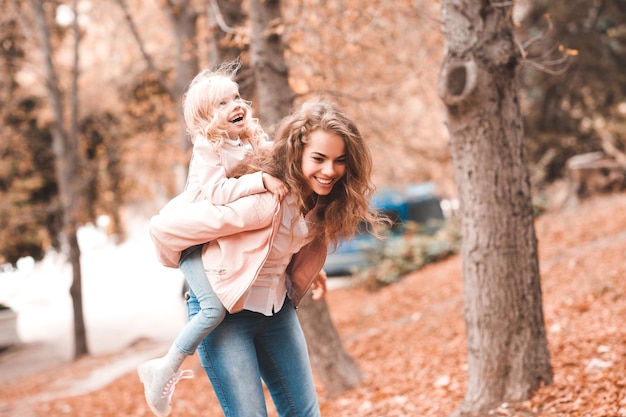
<point>211,177</point>
<point>182,224</point>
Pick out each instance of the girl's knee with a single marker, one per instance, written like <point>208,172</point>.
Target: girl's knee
<point>213,314</point>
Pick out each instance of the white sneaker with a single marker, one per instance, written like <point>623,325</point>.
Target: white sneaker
<point>159,382</point>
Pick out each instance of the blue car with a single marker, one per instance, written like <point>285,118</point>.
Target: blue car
<point>417,203</point>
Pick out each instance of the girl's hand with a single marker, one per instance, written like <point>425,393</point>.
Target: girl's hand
<point>319,285</point>
<point>275,186</point>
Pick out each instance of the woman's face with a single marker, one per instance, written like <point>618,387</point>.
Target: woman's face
<point>323,161</point>
<point>232,112</point>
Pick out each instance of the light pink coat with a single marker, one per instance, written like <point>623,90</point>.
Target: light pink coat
<point>240,235</point>
<point>209,172</point>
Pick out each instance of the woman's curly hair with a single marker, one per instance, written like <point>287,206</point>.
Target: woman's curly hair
<point>336,215</point>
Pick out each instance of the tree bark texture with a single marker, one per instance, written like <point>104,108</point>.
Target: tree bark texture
<point>267,56</point>
<point>508,357</point>
<point>337,370</point>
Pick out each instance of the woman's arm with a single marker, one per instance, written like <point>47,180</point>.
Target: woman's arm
<point>319,285</point>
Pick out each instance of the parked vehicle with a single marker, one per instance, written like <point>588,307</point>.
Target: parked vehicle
<point>417,206</point>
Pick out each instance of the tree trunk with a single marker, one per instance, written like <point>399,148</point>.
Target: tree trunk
<point>335,368</point>
<point>508,356</point>
<point>66,157</point>
<point>76,291</point>
<point>183,17</point>
<point>226,19</point>
<point>274,95</point>
<point>73,203</point>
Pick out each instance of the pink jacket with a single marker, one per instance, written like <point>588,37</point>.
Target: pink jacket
<point>240,235</point>
<point>209,172</point>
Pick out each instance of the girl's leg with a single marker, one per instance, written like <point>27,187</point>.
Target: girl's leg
<point>211,311</point>
<point>228,357</point>
<point>285,365</point>
<point>160,376</point>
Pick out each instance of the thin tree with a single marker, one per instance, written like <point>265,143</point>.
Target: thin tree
<point>508,356</point>
<point>65,147</point>
<point>333,365</point>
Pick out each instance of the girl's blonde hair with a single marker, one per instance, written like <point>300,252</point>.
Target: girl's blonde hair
<point>201,101</point>
<point>338,214</point>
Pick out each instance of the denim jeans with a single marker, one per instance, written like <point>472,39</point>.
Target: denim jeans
<point>247,348</point>
<point>211,311</point>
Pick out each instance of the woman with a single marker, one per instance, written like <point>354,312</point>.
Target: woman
<point>263,256</point>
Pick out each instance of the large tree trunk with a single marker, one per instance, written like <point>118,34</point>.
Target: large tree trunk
<point>508,356</point>
<point>335,368</point>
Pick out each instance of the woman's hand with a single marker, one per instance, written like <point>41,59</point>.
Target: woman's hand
<point>319,285</point>
<point>275,186</point>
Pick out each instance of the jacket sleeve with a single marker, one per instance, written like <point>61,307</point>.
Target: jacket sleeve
<point>214,183</point>
<point>184,224</point>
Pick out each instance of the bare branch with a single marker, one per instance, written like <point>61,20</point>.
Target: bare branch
<point>553,61</point>
<point>540,35</point>
<point>503,4</point>
<point>140,44</point>
<point>219,19</point>
<point>543,68</point>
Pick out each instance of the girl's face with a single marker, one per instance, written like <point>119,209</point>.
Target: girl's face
<point>232,112</point>
<point>323,161</point>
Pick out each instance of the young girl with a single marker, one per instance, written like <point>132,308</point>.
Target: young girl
<point>224,133</point>
<point>319,153</point>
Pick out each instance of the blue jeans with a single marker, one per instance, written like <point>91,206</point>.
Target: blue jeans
<point>248,347</point>
<point>211,311</point>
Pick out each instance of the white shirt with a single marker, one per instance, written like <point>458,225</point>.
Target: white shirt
<point>268,292</point>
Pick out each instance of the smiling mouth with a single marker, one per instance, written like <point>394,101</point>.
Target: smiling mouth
<point>323,181</point>
<point>237,119</point>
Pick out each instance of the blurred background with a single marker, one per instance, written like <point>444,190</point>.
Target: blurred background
<point>92,142</point>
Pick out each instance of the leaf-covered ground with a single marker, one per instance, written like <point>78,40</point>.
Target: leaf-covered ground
<point>409,339</point>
